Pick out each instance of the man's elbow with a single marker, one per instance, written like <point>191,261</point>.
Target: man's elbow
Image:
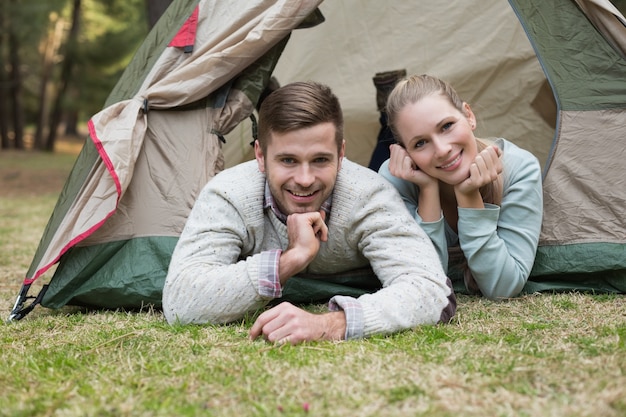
<point>191,311</point>
<point>180,307</point>
<point>174,312</point>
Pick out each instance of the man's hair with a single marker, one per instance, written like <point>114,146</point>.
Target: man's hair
<point>296,106</point>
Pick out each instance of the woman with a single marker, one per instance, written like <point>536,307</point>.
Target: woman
<point>479,201</point>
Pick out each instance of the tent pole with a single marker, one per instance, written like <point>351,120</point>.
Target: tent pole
<point>19,311</point>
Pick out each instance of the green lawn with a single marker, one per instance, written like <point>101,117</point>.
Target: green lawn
<point>538,355</point>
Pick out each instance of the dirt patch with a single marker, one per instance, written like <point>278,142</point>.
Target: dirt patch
<point>17,182</point>
<point>31,173</point>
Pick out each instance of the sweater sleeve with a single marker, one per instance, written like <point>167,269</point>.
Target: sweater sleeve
<point>409,192</point>
<point>209,281</point>
<point>415,289</point>
<point>500,243</point>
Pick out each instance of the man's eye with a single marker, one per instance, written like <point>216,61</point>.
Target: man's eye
<point>320,160</point>
<point>287,161</point>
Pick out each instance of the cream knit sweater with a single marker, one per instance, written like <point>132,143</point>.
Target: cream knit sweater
<point>214,272</point>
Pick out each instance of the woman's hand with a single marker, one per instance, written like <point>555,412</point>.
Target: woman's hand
<point>402,166</point>
<point>484,170</point>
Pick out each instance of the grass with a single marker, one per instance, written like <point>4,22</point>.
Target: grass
<point>548,354</point>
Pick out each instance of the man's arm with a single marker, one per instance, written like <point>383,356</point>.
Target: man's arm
<point>208,281</point>
<point>415,289</point>
<point>305,231</point>
<point>286,323</point>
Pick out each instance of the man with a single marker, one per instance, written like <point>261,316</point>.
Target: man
<point>303,209</point>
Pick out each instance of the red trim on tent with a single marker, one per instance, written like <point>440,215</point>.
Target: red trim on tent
<point>85,234</point>
<point>186,36</point>
<point>105,158</point>
<point>67,247</point>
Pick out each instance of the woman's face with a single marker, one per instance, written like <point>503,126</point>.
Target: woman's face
<point>438,137</point>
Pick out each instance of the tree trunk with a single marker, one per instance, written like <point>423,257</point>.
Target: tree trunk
<point>4,120</point>
<point>66,73</point>
<point>71,123</point>
<point>16,88</point>
<point>50,48</point>
<point>156,8</point>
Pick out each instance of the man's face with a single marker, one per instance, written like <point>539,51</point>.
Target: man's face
<point>301,167</point>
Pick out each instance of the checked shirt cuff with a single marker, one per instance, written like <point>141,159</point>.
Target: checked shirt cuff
<point>354,315</point>
<point>269,281</point>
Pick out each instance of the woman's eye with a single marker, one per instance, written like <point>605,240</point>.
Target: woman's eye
<point>420,143</point>
<point>446,126</point>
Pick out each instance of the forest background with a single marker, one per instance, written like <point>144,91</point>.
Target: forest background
<point>59,59</point>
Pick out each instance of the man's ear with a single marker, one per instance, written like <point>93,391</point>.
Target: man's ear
<point>258,154</point>
<point>342,153</point>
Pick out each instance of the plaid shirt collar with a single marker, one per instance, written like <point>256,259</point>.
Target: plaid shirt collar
<point>269,202</point>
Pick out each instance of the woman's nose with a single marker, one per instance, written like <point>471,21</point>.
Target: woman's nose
<point>442,147</point>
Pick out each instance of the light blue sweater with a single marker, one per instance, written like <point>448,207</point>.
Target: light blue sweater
<point>499,243</point>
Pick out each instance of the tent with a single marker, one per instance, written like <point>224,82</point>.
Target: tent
<point>547,75</point>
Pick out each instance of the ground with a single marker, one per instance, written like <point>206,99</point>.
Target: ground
<point>47,171</point>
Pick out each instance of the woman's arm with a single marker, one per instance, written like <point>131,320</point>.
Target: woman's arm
<point>500,243</point>
<point>410,195</point>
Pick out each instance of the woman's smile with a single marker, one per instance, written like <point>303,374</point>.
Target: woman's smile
<point>453,164</point>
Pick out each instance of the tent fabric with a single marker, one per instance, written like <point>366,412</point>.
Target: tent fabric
<point>584,228</point>
<point>529,53</point>
<point>58,236</point>
<point>478,46</point>
<point>608,21</point>
<point>177,78</point>
<point>186,36</point>
<point>545,75</point>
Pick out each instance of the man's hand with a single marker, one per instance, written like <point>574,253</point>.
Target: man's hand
<point>286,323</point>
<point>305,232</point>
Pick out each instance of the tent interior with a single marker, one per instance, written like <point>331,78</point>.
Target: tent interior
<point>478,47</point>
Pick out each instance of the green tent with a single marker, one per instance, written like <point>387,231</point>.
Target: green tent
<point>549,76</point>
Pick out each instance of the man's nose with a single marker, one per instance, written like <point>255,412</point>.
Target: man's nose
<point>304,176</point>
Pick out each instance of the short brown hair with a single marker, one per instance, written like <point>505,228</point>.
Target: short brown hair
<point>296,106</point>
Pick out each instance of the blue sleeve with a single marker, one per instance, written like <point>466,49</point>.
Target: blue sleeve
<point>500,243</point>
<point>410,192</point>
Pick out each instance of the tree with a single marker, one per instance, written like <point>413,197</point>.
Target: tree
<point>22,23</point>
<point>4,120</point>
<point>155,9</point>
<point>15,84</point>
<point>66,74</point>
<point>59,60</point>
<point>49,47</point>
